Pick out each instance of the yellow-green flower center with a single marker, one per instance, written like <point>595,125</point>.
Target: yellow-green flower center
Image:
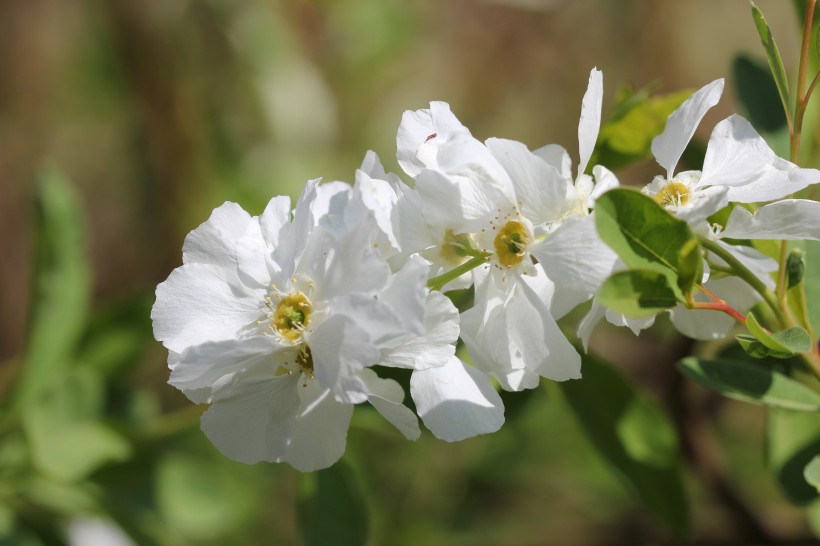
<point>305,360</point>
<point>452,250</point>
<point>511,243</point>
<point>292,316</point>
<point>673,194</point>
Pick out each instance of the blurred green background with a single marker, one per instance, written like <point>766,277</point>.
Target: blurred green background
<point>157,111</point>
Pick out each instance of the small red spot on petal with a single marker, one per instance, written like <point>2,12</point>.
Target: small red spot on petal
<point>431,137</point>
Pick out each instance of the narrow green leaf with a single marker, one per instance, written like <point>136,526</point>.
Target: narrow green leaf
<point>812,473</point>
<point>789,342</point>
<point>331,509</point>
<point>637,293</point>
<point>773,56</point>
<point>646,236</point>
<point>61,285</point>
<point>635,437</point>
<point>792,441</point>
<point>750,382</point>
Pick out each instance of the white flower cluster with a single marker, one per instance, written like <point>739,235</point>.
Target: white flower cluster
<point>278,320</point>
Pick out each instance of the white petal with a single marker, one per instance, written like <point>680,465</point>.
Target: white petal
<point>456,401</point>
<point>203,302</point>
<point>203,365</point>
<point>320,429</point>
<point>574,256</point>
<point>340,350</point>
<point>736,154</point>
<point>436,345</point>
<point>556,156</point>
<point>539,188</point>
<point>670,144</point>
<point>386,396</point>
<point>605,180</point>
<point>636,324</point>
<point>346,265</point>
<point>253,419</point>
<point>703,204</point>
<point>540,340</point>
<point>779,179</point>
<point>214,241</point>
<point>436,124</point>
<point>590,321</point>
<point>791,219</point>
<point>456,202</point>
<point>287,418</point>
<point>251,257</point>
<point>590,122</point>
<point>294,236</point>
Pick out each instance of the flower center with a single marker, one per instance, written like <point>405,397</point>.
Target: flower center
<point>673,194</point>
<point>305,360</point>
<point>292,316</point>
<point>452,250</point>
<point>511,243</point>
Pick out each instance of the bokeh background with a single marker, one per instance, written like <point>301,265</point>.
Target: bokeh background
<point>157,111</point>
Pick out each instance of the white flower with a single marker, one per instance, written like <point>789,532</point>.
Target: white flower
<point>739,166</point>
<point>276,323</point>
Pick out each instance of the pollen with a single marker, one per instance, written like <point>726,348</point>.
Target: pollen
<point>292,316</point>
<point>511,243</point>
<point>674,194</point>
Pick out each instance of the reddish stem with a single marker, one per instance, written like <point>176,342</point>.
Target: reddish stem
<point>723,308</point>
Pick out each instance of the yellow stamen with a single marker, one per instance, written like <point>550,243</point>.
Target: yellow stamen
<point>511,243</point>
<point>292,316</point>
<point>673,194</point>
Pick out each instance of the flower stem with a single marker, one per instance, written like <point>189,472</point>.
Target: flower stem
<point>743,272</point>
<point>437,283</point>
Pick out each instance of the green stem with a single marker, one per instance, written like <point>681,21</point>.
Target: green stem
<point>743,272</point>
<point>437,283</point>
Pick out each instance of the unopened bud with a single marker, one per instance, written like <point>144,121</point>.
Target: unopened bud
<point>795,267</point>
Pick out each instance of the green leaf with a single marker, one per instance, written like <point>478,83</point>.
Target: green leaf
<point>61,285</point>
<point>792,441</point>
<point>783,344</point>
<point>636,119</point>
<point>199,498</point>
<point>758,93</point>
<point>812,472</point>
<point>635,437</point>
<point>755,349</point>
<point>67,440</point>
<point>773,56</point>
<point>331,508</point>
<point>751,382</point>
<point>637,292</point>
<point>646,236</point>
